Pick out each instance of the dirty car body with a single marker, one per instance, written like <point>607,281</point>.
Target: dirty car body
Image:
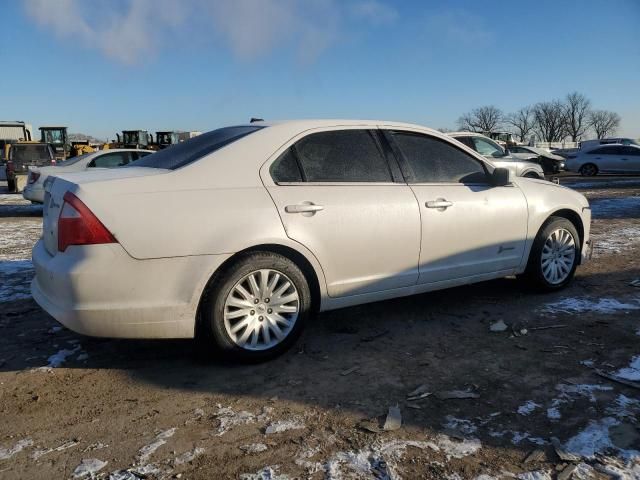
<point>237,234</point>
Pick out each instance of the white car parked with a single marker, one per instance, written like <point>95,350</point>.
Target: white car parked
<point>34,190</point>
<point>237,236</point>
<point>606,159</point>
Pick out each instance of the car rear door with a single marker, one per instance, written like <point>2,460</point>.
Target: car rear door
<point>340,195</point>
<point>469,226</point>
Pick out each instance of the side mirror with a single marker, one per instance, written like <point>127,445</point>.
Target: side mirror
<point>501,177</point>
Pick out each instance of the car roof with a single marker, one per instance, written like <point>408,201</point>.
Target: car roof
<point>306,124</point>
<point>465,134</point>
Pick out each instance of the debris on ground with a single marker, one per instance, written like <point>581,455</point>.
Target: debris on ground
<point>528,407</point>
<point>145,452</point>
<point>188,456</point>
<point>88,468</point>
<point>498,326</point>
<point>419,393</point>
<point>635,283</point>
<point>39,453</point>
<point>618,379</point>
<point>349,371</point>
<point>393,420</point>
<point>457,395</point>
<point>537,455</point>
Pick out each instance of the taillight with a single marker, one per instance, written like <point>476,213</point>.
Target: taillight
<point>33,176</point>
<point>77,225</point>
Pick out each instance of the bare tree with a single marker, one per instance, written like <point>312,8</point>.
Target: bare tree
<point>604,122</point>
<point>482,119</point>
<point>550,120</point>
<point>522,121</point>
<point>577,109</point>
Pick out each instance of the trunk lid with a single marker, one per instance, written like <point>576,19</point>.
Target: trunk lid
<point>56,187</point>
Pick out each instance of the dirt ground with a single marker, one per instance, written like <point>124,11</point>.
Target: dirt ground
<point>534,407</point>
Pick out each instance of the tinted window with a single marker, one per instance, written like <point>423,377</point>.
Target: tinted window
<point>285,168</point>
<point>195,148</point>
<point>633,151</point>
<point>342,156</point>
<point>110,160</point>
<point>436,161</point>
<point>605,151</point>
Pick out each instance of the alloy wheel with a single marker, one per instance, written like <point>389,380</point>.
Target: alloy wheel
<point>261,309</point>
<point>558,256</point>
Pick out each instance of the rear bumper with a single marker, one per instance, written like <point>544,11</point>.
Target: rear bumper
<point>101,291</point>
<point>34,192</point>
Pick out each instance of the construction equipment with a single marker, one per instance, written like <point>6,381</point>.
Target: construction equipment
<point>133,139</point>
<point>21,157</point>
<point>166,139</point>
<point>58,138</point>
<point>81,147</point>
<point>11,132</point>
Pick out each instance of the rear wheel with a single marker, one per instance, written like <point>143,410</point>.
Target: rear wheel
<point>588,170</point>
<point>554,255</point>
<point>255,309</point>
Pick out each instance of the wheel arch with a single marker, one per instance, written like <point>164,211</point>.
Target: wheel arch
<point>311,274</point>
<point>571,215</point>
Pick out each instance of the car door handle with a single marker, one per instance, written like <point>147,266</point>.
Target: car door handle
<point>303,208</point>
<point>439,203</point>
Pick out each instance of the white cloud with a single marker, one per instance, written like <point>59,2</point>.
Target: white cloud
<point>374,11</point>
<point>130,30</point>
<point>458,27</point>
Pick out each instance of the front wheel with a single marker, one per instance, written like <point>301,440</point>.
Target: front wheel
<point>255,309</point>
<point>532,175</point>
<point>588,170</point>
<point>554,255</point>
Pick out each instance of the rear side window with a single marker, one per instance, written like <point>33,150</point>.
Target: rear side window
<point>285,169</point>
<point>633,151</point>
<point>195,148</point>
<point>605,151</point>
<point>341,156</point>
<point>110,160</point>
<point>435,161</point>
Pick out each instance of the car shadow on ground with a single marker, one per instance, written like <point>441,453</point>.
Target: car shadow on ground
<point>364,359</point>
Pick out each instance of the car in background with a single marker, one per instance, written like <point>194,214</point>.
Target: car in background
<point>238,236</point>
<point>24,156</point>
<point>102,159</point>
<point>549,162</point>
<point>611,158</point>
<point>590,144</point>
<point>498,155</point>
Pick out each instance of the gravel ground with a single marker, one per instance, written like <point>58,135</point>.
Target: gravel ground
<point>526,402</point>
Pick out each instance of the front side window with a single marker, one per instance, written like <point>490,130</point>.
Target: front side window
<point>433,160</point>
<point>633,151</point>
<point>605,151</point>
<point>341,156</point>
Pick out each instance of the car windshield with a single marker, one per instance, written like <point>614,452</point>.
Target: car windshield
<point>194,149</point>
<point>488,148</point>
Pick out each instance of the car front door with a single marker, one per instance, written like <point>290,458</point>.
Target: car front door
<point>630,159</point>
<point>340,195</point>
<point>469,226</point>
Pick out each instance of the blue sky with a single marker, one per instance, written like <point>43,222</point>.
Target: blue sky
<point>101,66</point>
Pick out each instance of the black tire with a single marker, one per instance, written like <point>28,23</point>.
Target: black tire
<point>533,274</point>
<point>211,335</point>
<point>532,175</point>
<point>589,170</point>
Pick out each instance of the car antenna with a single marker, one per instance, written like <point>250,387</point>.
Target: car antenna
<point>254,120</point>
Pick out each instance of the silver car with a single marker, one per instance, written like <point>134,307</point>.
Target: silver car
<point>606,159</point>
<point>499,157</point>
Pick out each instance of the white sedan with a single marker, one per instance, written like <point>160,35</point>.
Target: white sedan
<point>613,158</point>
<point>34,190</point>
<point>238,236</point>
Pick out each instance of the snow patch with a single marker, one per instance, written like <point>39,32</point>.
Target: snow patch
<point>553,413</point>
<point>456,449</point>
<point>461,425</point>
<point>57,359</point>
<point>15,280</point>
<point>6,453</point>
<point>581,305</point>
<point>189,456</point>
<point>253,448</point>
<point>267,473</point>
<point>537,475</point>
<point>528,407</point>
<point>228,418</point>
<point>283,426</point>
<point>145,452</point>
<point>632,372</point>
<point>616,207</point>
<point>88,468</point>
<point>615,240</point>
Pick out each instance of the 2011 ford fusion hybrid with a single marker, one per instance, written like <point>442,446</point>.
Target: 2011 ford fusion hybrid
<point>238,236</point>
